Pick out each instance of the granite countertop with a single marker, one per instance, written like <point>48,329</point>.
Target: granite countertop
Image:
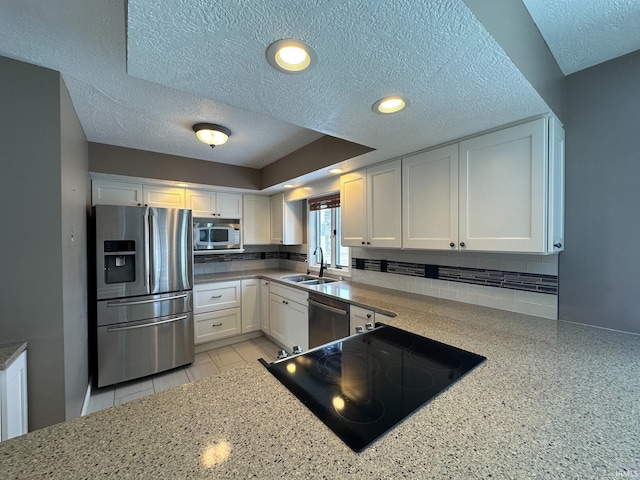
<point>553,400</point>
<point>9,352</point>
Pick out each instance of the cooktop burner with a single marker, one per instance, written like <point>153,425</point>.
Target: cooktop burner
<point>363,385</point>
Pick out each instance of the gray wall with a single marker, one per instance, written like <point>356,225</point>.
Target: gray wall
<point>75,197</point>
<point>599,269</point>
<point>33,305</point>
<point>140,163</point>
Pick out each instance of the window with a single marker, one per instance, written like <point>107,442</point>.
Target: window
<point>324,232</point>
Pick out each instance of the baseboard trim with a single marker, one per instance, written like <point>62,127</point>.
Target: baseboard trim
<point>203,347</point>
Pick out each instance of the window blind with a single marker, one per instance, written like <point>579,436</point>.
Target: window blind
<point>328,201</point>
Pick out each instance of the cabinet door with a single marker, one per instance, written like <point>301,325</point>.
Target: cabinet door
<point>292,223</point>
<point>257,220</point>
<point>353,209</point>
<point>384,207</point>
<point>296,325</point>
<point>503,190</point>
<point>164,197</point>
<point>211,326</point>
<point>430,199</point>
<point>116,193</point>
<point>13,401</point>
<point>277,219</point>
<point>556,187</point>
<point>208,297</point>
<point>277,318</point>
<point>264,307</point>
<point>201,203</point>
<point>359,316</point>
<point>228,205</point>
<point>250,305</point>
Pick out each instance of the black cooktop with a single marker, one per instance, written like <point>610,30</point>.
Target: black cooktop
<point>363,385</point>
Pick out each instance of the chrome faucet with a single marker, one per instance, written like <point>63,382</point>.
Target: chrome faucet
<point>321,260</point>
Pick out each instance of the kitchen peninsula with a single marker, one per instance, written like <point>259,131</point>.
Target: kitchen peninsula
<point>553,400</point>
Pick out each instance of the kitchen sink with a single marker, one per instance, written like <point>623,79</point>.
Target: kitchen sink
<point>307,279</point>
<point>317,281</point>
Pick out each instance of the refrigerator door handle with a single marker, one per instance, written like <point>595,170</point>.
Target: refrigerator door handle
<point>141,302</point>
<point>146,249</point>
<point>150,324</point>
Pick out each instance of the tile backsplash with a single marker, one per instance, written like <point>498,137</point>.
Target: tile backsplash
<point>514,282</point>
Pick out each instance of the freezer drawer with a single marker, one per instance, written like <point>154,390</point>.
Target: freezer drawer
<point>132,350</point>
<point>134,309</point>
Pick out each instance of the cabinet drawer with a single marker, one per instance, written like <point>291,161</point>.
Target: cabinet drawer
<point>293,294</point>
<point>210,297</point>
<point>215,325</point>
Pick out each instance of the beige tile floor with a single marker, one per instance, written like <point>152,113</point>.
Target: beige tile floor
<point>205,364</point>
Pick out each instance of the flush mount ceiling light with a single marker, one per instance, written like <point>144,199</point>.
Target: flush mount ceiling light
<point>335,171</point>
<point>390,104</point>
<point>290,56</point>
<point>212,134</point>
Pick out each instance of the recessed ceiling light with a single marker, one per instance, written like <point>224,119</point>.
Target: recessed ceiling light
<point>391,104</point>
<point>290,56</point>
<point>288,185</point>
<point>335,170</point>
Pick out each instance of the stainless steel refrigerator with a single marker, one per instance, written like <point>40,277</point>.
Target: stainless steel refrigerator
<point>144,281</point>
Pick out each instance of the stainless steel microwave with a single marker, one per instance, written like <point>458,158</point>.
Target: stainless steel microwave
<point>220,234</point>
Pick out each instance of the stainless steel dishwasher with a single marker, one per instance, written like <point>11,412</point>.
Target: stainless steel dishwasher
<point>328,319</point>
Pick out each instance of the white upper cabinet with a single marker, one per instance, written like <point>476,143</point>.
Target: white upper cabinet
<point>430,199</point>
<point>207,203</point>
<point>370,204</point>
<point>286,221</point>
<point>105,192</point>
<point>163,197</point>
<point>257,220</point>
<point>353,209</point>
<point>555,237</point>
<point>498,192</point>
<point>503,190</point>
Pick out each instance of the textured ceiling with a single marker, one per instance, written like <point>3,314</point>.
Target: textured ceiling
<point>583,33</point>
<point>142,82</point>
<point>436,53</point>
<point>86,41</point>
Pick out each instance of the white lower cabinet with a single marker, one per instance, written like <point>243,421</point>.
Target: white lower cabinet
<point>289,316</point>
<point>211,326</point>
<point>250,305</point>
<point>264,307</point>
<point>217,311</point>
<point>13,398</point>
<point>359,317</point>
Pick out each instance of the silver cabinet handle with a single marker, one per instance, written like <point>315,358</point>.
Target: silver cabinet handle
<point>217,324</point>
<point>141,302</point>
<point>327,307</point>
<point>216,296</point>
<point>144,325</point>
